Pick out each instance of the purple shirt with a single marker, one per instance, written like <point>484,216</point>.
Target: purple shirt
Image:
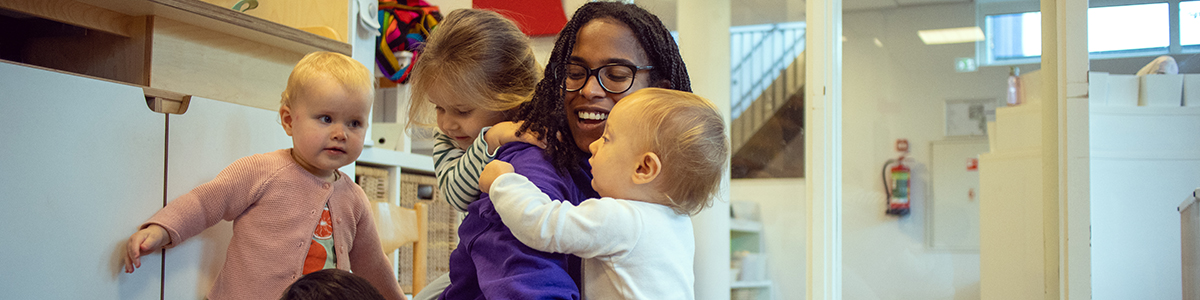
<point>490,261</point>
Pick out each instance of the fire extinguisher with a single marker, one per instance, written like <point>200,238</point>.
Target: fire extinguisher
<point>896,184</point>
<point>896,181</point>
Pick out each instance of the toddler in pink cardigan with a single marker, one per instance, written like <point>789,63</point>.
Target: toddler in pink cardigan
<point>293,212</point>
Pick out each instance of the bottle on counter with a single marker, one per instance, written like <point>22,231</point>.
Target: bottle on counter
<point>1014,86</point>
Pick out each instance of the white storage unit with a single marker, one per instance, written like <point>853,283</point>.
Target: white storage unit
<point>752,281</point>
<point>1141,160</point>
<point>83,166</point>
<point>1141,169</point>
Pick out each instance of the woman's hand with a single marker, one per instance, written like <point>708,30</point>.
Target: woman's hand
<point>490,172</point>
<point>144,242</point>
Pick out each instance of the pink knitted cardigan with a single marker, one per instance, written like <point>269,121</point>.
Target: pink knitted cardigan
<point>275,205</point>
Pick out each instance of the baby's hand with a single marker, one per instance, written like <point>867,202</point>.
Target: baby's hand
<point>144,242</point>
<point>490,172</point>
<point>506,132</point>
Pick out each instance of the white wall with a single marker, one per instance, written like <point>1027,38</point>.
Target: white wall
<point>893,91</point>
<point>704,54</point>
<point>781,203</point>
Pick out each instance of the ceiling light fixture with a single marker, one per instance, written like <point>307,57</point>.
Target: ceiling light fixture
<point>951,35</point>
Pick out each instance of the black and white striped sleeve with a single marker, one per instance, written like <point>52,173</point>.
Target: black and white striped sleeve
<point>458,170</point>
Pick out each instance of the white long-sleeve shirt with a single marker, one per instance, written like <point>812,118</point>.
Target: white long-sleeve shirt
<point>630,249</point>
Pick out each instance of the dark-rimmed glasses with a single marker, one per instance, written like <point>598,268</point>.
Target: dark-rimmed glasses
<point>614,78</point>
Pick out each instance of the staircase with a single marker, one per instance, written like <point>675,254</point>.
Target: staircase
<point>766,136</point>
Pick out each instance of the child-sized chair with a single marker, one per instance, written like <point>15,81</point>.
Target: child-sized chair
<point>399,226</point>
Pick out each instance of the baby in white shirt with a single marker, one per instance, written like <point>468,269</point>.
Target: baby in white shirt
<point>659,161</point>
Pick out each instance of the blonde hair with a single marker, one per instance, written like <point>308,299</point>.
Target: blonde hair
<point>475,56</point>
<point>353,75</point>
<point>688,134</point>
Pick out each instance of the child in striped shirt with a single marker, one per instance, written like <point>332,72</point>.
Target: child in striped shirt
<point>477,68</point>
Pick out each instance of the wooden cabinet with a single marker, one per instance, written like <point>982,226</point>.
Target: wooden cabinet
<point>185,46</point>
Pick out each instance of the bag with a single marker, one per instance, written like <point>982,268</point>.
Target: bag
<point>404,26</point>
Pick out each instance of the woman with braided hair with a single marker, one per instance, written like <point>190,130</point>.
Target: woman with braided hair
<point>606,51</point>
<point>608,38</point>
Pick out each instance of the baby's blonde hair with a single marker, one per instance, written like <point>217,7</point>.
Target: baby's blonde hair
<point>353,75</point>
<point>476,56</point>
<point>688,134</point>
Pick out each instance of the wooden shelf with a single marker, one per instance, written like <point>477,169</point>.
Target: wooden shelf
<point>114,16</point>
<point>227,21</point>
<point>190,47</point>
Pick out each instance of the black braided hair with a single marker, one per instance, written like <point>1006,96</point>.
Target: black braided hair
<point>545,115</point>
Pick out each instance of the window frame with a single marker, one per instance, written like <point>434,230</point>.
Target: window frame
<point>1000,7</point>
<point>1178,36</point>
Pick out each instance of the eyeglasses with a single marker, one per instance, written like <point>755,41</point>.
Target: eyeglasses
<point>614,78</point>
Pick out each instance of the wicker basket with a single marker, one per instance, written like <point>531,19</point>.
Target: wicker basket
<point>374,181</point>
<point>443,228</point>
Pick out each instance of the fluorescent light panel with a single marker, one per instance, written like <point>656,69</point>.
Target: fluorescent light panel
<point>951,35</point>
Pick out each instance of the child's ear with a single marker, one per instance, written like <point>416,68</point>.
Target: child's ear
<point>648,169</point>
<point>285,117</point>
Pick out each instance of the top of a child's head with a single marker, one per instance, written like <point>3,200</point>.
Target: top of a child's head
<point>688,134</point>
<point>475,57</point>
<point>330,284</point>
<point>351,74</point>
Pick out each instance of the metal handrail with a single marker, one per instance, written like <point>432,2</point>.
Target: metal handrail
<point>763,51</point>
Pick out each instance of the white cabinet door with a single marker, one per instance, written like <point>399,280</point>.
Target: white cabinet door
<point>1144,162</point>
<point>202,142</point>
<point>81,166</point>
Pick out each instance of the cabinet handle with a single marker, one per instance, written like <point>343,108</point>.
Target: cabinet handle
<point>166,102</point>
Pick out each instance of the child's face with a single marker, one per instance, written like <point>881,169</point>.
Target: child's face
<point>617,153</point>
<point>460,120</point>
<point>327,124</point>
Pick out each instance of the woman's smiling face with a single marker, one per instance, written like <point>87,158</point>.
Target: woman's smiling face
<point>600,42</point>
